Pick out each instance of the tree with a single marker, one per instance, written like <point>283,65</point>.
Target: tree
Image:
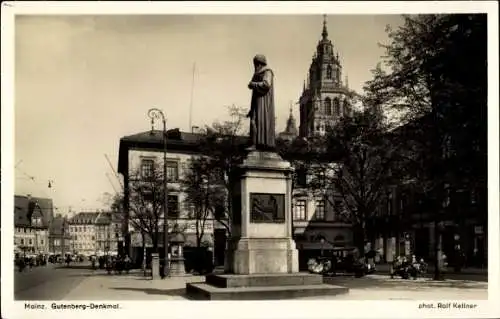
<point>362,172</point>
<point>437,79</point>
<point>224,144</point>
<point>203,186</point>
<point>146,203</point>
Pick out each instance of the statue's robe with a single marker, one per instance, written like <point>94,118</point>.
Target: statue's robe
<point>262,130</point>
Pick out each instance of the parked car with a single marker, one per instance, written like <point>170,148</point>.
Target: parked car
<point>342,260</point>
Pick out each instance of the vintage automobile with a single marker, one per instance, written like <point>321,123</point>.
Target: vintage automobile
<point>341,261</point>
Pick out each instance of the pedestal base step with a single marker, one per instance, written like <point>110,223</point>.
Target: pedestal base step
<point>204,291</point>
<point>263,280</point>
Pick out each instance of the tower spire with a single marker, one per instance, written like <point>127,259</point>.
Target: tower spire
<point>324,34</point>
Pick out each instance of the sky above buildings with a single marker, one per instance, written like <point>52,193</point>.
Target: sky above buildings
<point>82,82</point>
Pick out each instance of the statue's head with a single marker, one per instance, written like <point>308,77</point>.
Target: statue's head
<point>259,60</point>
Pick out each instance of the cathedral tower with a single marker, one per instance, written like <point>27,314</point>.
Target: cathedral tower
<point>325,97</point>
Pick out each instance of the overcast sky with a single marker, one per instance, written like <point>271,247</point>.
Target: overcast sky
<point>82,82</point>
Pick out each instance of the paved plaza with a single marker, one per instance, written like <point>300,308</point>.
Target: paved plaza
<point>374,287</point>
<point>80,282</point>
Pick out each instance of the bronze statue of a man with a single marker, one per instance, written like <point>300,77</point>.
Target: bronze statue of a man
<point>262,132</point>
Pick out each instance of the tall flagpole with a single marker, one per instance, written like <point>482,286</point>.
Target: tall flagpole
<point>191,102</point>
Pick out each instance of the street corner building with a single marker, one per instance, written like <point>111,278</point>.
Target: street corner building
<point>140,160</point>
<point>32,218</point>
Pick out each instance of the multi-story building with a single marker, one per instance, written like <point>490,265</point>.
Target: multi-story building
<point>406,223</point>
<point>108,233</point>
<point>32,217</point>
<point>59,235</point>
<point>82,229</point>
<point>138,156</point>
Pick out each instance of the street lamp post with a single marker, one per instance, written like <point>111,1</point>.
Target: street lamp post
<point>153,114</point>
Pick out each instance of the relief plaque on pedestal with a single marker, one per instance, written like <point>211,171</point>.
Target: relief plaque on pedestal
<point>267,208</point>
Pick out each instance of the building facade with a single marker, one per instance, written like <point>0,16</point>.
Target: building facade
<point>140,155</point>
<point>108,233</point>
<point>32,217</point>
<point>59,236</point>
<point>82,229</point>
<point>407,221</point>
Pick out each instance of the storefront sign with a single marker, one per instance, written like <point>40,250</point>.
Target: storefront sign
<point>188,226</point>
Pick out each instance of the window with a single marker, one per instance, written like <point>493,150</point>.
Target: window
<point>30,242</point>
<point>147,167</point>
<point>24,230</point>
<point>173,206</point>
<point>329,72</point>
<point>299,210</point>
<point>22,241</point>
<point>319,213</point>
<point>328,106</point>
<point>336,106</point>
<point>173,171</point>
<point>93,238</point>
<point>41,242</point>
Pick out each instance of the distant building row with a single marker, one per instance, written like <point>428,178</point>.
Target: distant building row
<point>38,231</point>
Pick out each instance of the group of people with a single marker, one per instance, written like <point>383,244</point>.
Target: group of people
<point>406,267</point>
<point>22,261</point>
<point>118,264</point>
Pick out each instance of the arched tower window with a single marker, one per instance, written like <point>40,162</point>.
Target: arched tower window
<point>336,106</point>
<point>328,106</point>
<point>329,72</point>
<point>337,75</point>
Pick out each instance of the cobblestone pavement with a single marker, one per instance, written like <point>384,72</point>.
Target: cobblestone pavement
<point>101,286</point>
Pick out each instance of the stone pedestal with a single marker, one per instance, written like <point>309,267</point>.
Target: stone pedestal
<point>261,229</point>
<point>155,266</point>
<point>261,256</point>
